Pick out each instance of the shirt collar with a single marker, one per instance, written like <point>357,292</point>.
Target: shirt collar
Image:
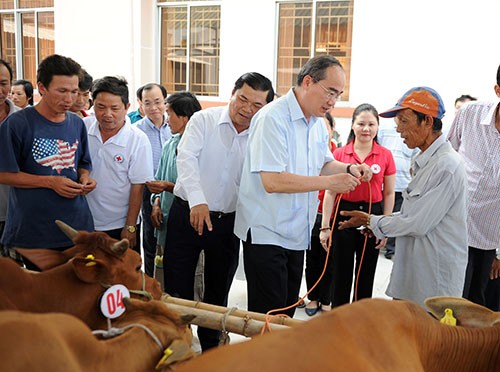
<point>423,158</point>
<point>225,119</point>
<point>152,125</point>
<point>296,112</point>
<point>489,119</point>
<point>119,138</point>
<point>349,148</point>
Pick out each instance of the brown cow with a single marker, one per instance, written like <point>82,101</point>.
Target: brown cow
<point>75,286</point>
<point>58,342</point>
<point>46,259</point>
<point>369,335</point>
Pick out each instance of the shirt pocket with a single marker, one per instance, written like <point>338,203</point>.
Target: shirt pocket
<point>290,223</point>
<point>319,154</point>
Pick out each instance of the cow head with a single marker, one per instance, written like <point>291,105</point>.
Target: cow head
<point>171,328</point>
<point>46,259</point>
<point>467,313</point>
<point>107,261</point>
<point>112,261</point>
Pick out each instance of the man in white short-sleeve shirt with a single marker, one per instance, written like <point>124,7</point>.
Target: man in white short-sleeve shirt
<point>122,162</point>
<point>278,197</point>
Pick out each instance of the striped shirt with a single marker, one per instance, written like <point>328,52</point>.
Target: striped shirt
<point>157,137</point>
<point>474,136</point>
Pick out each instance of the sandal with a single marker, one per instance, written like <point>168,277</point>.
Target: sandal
<point>312,310</point>
<point>324,308</point>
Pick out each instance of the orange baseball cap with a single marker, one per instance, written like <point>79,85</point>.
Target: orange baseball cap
<point>421,99</point>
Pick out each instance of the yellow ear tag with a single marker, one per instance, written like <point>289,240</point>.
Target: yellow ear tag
<point>90,258</point>
<point>166,353</point>
<point>448,318</point>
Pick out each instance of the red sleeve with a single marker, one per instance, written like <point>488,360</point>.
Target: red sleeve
<point>390,168</point>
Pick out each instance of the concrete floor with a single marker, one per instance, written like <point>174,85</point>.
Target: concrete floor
<point>238,292</point>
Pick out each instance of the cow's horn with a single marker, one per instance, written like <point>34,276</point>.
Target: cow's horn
<point>68,230</point>
<point>120,247</point>
<point>187,318</point>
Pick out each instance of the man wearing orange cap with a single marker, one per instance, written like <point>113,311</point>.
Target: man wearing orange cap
<point>431,229</point>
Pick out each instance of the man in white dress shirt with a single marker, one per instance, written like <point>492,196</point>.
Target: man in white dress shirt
<point>209,163</point>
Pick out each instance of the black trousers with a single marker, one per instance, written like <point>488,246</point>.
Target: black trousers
<point>116,234</point>
<point>148,234</point>
<point>182,249</point>
<point>493,294</point>
<point>273,276</point>
<point>315,263</point>
<point>348,245</point>
<point>477,274</point>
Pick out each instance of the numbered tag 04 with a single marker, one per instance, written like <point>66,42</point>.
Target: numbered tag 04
<point>112,301</point>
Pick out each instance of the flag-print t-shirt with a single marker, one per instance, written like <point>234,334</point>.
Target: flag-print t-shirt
<point>32,144</point>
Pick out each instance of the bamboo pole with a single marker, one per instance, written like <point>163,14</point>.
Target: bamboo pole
<point>244,326</point>
<point>222,310</point>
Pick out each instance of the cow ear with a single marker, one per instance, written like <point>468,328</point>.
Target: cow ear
<point>177,351</point>
<point>467,313</point>
<point>88,270</point>
<point>44,259</point>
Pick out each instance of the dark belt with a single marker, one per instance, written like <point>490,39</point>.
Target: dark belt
<point>213,214</point>
<point>362,206</point>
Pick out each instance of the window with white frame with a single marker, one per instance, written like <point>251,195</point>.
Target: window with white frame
<point>190,46</point>
<point>310,28</point>
<point>27,34</point>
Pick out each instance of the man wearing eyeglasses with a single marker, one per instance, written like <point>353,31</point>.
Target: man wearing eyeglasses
<point>209,161</point>
<point>287,151</point>
<point>155,125</point>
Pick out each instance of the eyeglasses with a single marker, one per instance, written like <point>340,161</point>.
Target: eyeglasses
<point>155,103</point>
<point>330,93</point>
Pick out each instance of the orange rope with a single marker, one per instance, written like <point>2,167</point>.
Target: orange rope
<point>267,325</point>
<point>356,279</point>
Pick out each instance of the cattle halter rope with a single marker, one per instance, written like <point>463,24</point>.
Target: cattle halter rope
<point>269,316</point>
<point>140,292</point>
<point>112,332</point>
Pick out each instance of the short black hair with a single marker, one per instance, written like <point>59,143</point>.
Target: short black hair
<point>437,124</point>
<point>256,81</point>
<point>3,62</point>
<point>316,67</point>
<point>56,64</point>
<point>498,76</point>
<point>138,93</point>
<point>111,84</point>
<point>85,81</point>
<point>28,89</point>
<point>465,98</point>
<point>151,86</point>
<point>183,103</point>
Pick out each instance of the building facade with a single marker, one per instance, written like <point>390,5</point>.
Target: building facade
<point>386,46</point>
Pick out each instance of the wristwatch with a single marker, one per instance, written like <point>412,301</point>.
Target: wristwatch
<point>130,228</point>
<point>348,169</point>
